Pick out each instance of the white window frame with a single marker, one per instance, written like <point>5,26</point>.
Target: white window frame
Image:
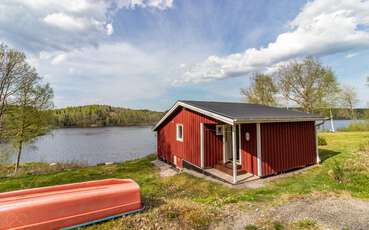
<point>178,138</point>
<point>219,130</point>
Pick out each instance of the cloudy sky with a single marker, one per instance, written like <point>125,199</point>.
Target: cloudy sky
<point>149,53</point>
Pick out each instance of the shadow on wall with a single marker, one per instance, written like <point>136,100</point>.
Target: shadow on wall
<point>325,154</point>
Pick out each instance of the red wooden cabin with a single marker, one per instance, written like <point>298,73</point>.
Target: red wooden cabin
<point>237,138</point>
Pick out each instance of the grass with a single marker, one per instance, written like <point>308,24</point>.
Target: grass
<point>305,224</point>
<point>184,200</point>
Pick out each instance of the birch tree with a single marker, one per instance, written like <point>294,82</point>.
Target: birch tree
<point>308,84</point>
<point>13,69</point>
<point>29,114</point>
<point>262,90</point>
<point>349,100</point>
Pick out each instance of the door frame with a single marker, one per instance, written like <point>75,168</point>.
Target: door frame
<point>228,155</point>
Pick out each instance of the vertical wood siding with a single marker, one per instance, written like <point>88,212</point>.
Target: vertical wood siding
<point>248,149</point>
<point>189,149</point>
<point>286,146</point>
<point>213,146</point>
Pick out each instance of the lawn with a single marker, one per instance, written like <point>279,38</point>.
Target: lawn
<point>184,200</point>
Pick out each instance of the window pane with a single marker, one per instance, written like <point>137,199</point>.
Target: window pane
<point>179,132</point>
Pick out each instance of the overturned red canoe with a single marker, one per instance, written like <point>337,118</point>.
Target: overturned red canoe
<point>68,205</point>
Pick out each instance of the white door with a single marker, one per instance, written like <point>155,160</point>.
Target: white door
<point>228,142</point>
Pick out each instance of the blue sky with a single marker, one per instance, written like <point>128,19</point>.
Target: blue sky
<point>150,53</point>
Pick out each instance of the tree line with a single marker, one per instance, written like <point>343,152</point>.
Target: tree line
<point>25,101</point>
<point>308,86</point>
<point>103,115</point>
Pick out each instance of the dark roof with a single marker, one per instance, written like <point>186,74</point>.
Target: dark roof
<point>244,111</point>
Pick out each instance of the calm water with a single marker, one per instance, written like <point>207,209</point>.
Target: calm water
<point>92,145</point>
<point>338,124</point>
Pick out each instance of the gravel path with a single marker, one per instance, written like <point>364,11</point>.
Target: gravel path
<point>326,212</point>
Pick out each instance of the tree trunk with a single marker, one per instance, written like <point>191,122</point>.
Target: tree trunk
<point>18,156</point>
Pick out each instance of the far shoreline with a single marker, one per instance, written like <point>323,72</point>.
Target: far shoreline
<point>106,126</point>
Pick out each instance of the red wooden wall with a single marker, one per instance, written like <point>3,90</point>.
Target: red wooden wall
<point>284,146</point>
<point>248,149</point>
<point>189,149</point>
<point>287,145</point>
<point>213,146</point>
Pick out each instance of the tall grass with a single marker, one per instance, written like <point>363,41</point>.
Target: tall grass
<point>357,127</point>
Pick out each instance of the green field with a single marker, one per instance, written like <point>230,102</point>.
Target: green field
<point>188,201</point>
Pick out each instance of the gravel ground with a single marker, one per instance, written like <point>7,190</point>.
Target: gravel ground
<point>326,212</point>
<point>165,169</point>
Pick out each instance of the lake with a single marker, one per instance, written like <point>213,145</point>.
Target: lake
<point>338,124</point>
<point>91,145</point>
<point>98,145</point>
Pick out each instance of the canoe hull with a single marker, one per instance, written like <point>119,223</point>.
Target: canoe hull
<point>62,206</point>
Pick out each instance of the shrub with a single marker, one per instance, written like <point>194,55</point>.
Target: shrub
<point>337,172</point>
<point>322,141</point>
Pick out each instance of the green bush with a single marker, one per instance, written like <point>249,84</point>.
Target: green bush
<point>322,141</point>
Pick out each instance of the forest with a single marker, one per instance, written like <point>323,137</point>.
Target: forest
<point>103,115</point>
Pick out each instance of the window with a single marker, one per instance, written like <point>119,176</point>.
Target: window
<point>219,129</point>
<point>179,132</point>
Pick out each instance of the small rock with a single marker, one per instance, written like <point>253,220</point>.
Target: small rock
<point>109,163</point>
<point>53,164</point>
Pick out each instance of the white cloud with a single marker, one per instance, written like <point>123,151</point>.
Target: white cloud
<point>159,4</point>
<point>66,22</point>
<point>37,25</point>
<point>351,55</point>
<point>114,73</point>
<point>322,27</point>
<point>58,59</point>
<point>109,29</point>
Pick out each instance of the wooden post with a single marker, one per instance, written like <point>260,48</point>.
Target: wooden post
<point>316,145</point>
<point>258,148</point>
<point>234,149</point>
<point>202,145</point>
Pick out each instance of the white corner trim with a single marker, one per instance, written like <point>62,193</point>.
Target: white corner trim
<point>193,108</point>
<point>234,146</point>
<point>224,148</point>
<point>239,143</point>
<point>316,145</point>
<point>258,148</point>
<point>202,145</point>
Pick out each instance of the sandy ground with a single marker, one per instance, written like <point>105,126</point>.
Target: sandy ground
<point>326,212</point>
<point>165,169</point>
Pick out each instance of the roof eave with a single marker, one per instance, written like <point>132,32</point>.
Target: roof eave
<point>216,116</point>
<point>287,119</point>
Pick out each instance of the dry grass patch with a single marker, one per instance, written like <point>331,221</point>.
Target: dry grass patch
<point>173,214</point>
